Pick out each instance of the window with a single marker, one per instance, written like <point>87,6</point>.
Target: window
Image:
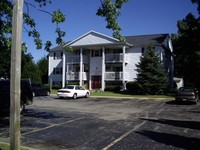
<point>57,82</point>
<point>61,55</point>
<point>96,53</point>
<point>57,70</point>
<point>117,51</point>
<point>117,68</point>
<point>108,68</point>
<point>57,55</point>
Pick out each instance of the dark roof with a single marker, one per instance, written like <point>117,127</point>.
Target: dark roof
<point>59,47</point>
<point>144,40</point>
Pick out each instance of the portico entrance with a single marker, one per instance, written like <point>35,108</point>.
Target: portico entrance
<point>96,82</point>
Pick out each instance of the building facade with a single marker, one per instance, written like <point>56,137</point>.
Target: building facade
<point>98,60</point>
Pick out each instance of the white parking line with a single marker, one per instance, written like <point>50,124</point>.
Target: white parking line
<point>53,125</point>
<point>123,136</point>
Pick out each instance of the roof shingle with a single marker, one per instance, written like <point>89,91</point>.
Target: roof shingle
<point>144,40</point>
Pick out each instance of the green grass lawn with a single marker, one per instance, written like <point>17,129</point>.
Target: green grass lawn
<point>115,94</point>
<point>5,146</point>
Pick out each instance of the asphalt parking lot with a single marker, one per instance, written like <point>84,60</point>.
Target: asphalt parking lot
<point>107,124</point>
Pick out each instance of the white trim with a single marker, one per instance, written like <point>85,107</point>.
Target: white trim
<point>64,70</point>
<point>103,70</point>
<point>81,67</point>
<point>90,32</point>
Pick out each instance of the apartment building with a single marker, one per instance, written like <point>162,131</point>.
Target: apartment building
<point>98,60</point>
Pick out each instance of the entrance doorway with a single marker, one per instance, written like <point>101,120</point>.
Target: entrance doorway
<point>96,82</point>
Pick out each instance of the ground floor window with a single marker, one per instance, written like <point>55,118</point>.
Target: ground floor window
<point>57,82</point>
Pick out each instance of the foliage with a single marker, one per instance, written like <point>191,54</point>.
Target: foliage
<point>187,49</point>
<point>4,63</point>
<point>133,87</point>
<point>29,68</point>
<point>151,76</point>
<point>113,88</point>
<point>29,23</point>
<point>5,146</point>
<point>42,65</point>
<point>110,10</point>
<point>198,3</point>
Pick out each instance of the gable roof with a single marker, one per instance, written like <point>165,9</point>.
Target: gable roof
<point>144,40</point>
<point>93,38</point>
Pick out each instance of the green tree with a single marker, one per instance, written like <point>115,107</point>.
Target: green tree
<point>187,49</point>
<point>43,67</point>
<point>29,69</point>
<point>151,76</point>
<point>198,3</point>
<point>109,9</point>
<point>5,63</point>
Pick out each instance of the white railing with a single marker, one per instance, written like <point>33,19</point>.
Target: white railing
<point>113,58</point>
<point>114,75</point>
<point>76,76</point>
<point>73,59</point>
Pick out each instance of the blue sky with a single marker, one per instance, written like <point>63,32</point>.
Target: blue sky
<point>138,17</point>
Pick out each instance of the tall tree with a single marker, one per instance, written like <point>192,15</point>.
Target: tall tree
<point>187,49</point>
<point>4,63</point>
<point>29,69</point>
<point>108,9</point>
<point>151,76</point>
<point>43,67</point>
<point>198,3</point>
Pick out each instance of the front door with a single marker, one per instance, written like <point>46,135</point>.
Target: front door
<point>96,82</point>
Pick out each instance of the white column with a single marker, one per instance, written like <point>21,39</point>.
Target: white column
<point>81,67</point>
<point>64,70</point>
<point>103,70</point>
<point>90,80</point>
<point>67,72</point>
<point>123,67</point>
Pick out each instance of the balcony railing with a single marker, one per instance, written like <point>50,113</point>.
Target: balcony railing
<point>116,76</point>
<point>76,76</point>
<point>113,58</point>
<point>73,59</point>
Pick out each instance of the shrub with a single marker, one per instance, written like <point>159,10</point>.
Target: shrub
<point>112,88</point>
<point>133,87</point>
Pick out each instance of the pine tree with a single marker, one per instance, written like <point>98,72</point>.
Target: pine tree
<point>151,76</point>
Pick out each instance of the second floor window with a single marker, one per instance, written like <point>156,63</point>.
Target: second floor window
<point>96,53</point>
<point>58,55</point>
<point>57,70</point>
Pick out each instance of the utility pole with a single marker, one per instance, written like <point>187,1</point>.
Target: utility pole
<point>15,79</point>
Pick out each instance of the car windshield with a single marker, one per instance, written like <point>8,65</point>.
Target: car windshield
<point>187,89</point>
<point>69,87</point>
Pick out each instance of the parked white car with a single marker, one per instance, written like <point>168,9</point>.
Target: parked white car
<point>73,91</point>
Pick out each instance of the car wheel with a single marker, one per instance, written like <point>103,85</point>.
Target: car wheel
<point>196,101</point>
<point>87,95</point>
<point>48,93</point>
<point>74,96</point>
